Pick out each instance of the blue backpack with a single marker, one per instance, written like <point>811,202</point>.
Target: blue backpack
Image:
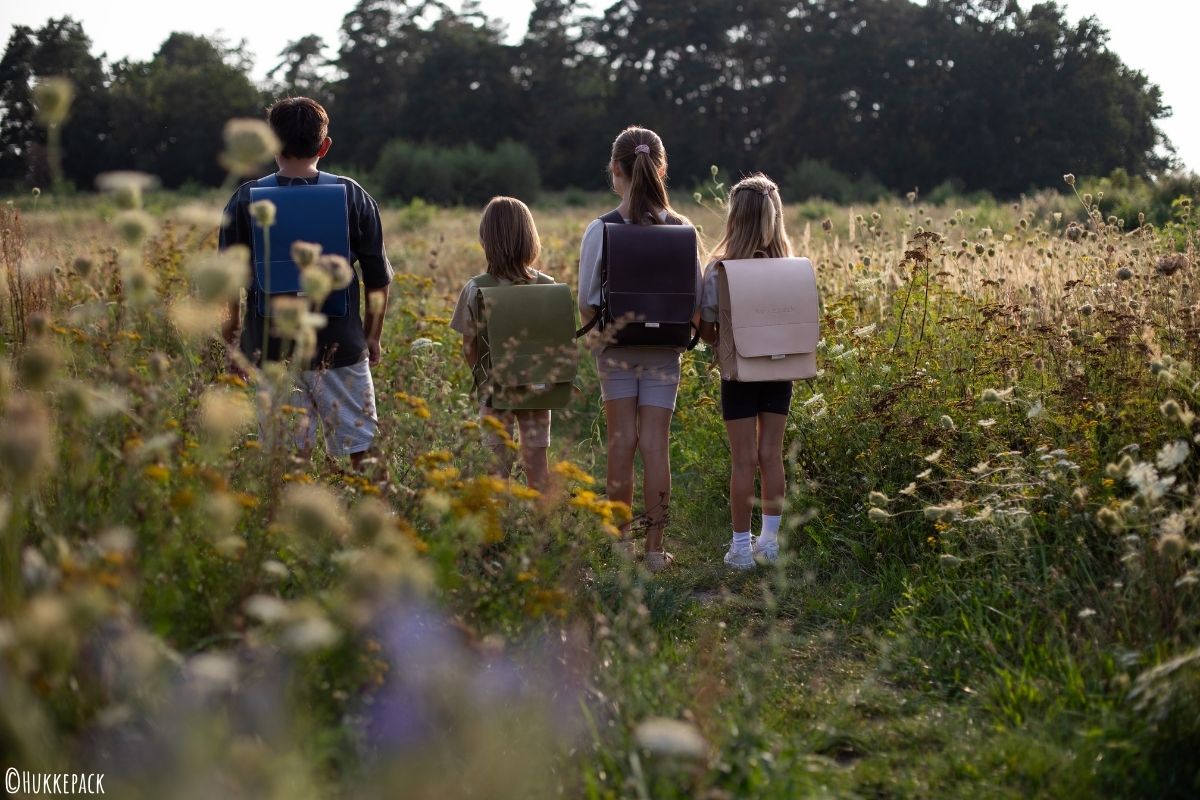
<point>303,213</point>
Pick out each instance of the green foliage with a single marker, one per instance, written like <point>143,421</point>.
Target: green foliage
<point>816,179</point>
<point>456,176</point>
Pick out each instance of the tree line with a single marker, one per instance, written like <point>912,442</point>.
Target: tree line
<point>890,93</point>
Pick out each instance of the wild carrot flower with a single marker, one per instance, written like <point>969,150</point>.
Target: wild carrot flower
<point>52,97</point>
<point>670,738</point>
<point>248,144</point>
<point>1172,455</point>
<point>263,212</point>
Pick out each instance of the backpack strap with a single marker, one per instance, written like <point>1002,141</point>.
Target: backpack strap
<point>611,218</point>
<point>479,371</point>
<point>268,180</point>
<point>326,179</point>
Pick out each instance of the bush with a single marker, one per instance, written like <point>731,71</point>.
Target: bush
<point>811,179</point>
<point>465,175</point>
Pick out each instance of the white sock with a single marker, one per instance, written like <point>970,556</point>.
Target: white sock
<point>770,528</point>
<point>741,541</point>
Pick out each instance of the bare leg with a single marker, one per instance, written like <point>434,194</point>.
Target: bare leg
<point>654,430</point>
<point>622,420</point>
<point>771,428</point>
<point>537,467</point>
<point>744,450</point>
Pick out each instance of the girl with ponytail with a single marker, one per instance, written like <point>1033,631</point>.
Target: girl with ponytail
<point>755,413</point>
<point>638,384</point>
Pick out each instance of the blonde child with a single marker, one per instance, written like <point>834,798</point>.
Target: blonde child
<point>755,413</point>
<point>511,246</point>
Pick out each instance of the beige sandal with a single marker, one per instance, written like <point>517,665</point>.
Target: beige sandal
<point>657,562</point>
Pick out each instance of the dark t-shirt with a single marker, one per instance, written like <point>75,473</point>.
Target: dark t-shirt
<point>342,342</point>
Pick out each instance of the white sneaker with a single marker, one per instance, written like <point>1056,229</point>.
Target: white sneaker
<point>739,558</point>
<point>767,551</point>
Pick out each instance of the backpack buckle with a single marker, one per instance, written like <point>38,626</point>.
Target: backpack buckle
<point>651,324</point>
<point>779,357</point>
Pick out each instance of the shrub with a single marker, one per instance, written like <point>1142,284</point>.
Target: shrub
<point>811,179</point>
<point>456,175</point>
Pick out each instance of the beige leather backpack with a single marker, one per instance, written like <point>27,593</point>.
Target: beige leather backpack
<point>769,319</point>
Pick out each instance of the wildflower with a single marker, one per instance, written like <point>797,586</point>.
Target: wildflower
<point>933,457</point>
<point>948,560</point>
<point>946,422</point>
<point>305,254</point>
<point>224,413</point>
<point>1175,525</point>
<point>134,226</point>
<point>878,515</point>
<point>316,284</point>
<point>1036,410</point>
<point>990,396</point>
<point>291,317</point>
<point>1074,232</point>
<point>126,187</point>
<point>985,423</point>
<point>219,276</point>
<point>201,215</point>
<point>878,498</point>
<point>26,440</point>
<point>1086,309</point>
<point>1171,546</point>
<point>573,472</point>
<point>194,319</point>
<point>1145,478</point>
<point>827,224</point>
<point>36,365</point>
<point>1069,179</point>
<point>248,143</point>
<point>339,269</point>
<point>82,266</point>
<point>1172,455</point>
<point>670,738</point>
<point>263,212</point>
<point>1170,264</point>
<point>313,511</point>
<point>52,97</point>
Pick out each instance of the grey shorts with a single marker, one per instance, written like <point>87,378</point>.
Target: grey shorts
<point>651,374</point>
<point>342,400</point>
<point>533,426</point>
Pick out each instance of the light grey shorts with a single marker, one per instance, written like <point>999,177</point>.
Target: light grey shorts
<point>342,400</point>
<point>651,374</point>
<point>533,425</point>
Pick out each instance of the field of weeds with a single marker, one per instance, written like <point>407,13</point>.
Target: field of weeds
<point>990,576</point>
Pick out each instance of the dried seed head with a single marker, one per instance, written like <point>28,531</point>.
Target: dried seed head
<point>26,440</point>
<point>36,365</point>
<point>1069,179</point>
<point>339,270</point>
<point>1170,264</point>
<point>134,227</point>
<point>225,413</point>
<point>248,144</point>
<point>1124,274</point>
<point>52,97</point>
<point>263,212</point>
<point>305,254</point>
<point>82,266</point>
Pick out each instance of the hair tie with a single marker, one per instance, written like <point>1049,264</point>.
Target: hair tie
<point>642,148</point>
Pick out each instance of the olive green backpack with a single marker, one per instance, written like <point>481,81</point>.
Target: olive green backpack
<point>526,344</point>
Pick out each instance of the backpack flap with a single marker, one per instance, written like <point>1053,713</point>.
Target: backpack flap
<point>774,317</point>
<point>530,331</point>
<point>652,273</point>
<point>303,213</point>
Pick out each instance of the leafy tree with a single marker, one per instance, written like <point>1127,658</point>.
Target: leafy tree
<point>169,112</point>
<point>301,69</point>
<point>58,48</point>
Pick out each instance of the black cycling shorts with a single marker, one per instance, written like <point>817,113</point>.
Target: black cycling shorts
<point>743,400</point>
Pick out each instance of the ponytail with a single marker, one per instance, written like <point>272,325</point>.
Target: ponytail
<point>643,160</point>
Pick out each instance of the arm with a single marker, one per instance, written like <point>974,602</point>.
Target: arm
<point>377,303</point>
<point>469,353</point>
<point>708,332</point>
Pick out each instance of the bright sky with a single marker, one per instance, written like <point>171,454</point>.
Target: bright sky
<point>1140,34</point>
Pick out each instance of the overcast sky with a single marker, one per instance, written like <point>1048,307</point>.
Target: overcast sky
<point>1155,36</point>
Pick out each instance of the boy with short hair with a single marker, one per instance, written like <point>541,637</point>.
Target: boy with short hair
<point>336,388</point>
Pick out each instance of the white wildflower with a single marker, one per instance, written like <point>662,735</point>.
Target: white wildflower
<point>1145,478</point>
<point>670,737</point>
<point>1172,455</point>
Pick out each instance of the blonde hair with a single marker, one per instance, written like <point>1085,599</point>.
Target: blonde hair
<point>754,222</point>
<point>643,160</point>
<point>509,238</point>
